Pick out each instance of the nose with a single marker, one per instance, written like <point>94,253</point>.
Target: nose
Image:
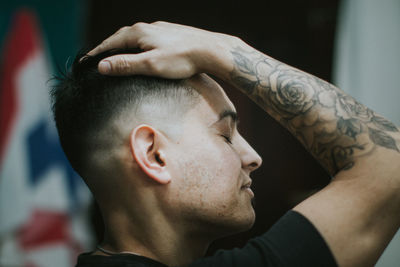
<point>249,157</point>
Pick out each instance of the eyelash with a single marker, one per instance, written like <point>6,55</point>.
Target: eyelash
<point>227,139</point>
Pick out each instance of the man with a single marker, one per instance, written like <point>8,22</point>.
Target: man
<point>172,174</point>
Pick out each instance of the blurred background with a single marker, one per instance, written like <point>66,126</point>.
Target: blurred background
<point>47,215</point>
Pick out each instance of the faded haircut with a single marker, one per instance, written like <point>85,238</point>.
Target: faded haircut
<point>85,103</point>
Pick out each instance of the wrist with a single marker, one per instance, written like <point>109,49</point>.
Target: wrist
<point>217,59</point>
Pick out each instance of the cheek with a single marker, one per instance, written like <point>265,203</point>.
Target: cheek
<point>211,171</point>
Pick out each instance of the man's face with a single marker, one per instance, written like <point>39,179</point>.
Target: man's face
<point>212,165</point>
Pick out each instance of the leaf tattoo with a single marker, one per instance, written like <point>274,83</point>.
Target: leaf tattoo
<point>384,124</point>
<point>381,138</point>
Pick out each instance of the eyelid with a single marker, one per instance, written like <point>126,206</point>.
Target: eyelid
<point>227,139</point>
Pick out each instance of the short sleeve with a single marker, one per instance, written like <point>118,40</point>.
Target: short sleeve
<point>292,241</point>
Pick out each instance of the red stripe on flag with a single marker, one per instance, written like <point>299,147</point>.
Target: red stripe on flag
<point>21,43</point>
<point>44,228</point>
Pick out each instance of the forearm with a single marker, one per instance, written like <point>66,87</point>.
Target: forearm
<point>331,125</point>
<point>358,212</point>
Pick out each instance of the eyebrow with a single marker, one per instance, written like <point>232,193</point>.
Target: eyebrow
<point>229,113</point>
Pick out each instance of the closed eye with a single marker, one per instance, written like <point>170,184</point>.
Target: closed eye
<point>227,139</point>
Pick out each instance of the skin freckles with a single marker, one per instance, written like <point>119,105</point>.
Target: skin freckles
<point>209,175</point>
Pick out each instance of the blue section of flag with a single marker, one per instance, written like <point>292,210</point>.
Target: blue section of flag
<point>44,151</point>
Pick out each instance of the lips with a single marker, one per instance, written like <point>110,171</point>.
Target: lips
<point>246,185</point>
<point>246,188</point>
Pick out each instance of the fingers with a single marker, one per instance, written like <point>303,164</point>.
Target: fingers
<point>166,50</point>
<point>130,64</point>
<point>126,37</point>
<point>150,63</point>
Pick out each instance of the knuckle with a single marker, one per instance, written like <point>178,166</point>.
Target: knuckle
<point>123,29</point>
<point>139,26</point>
<point>122,65</point>
<point>152,65</point>
<point>159,23</point>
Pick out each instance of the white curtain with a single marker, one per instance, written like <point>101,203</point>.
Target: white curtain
<point>367,66</point>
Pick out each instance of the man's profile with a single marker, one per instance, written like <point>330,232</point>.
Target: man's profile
<point>159,148</point>
<point>182,128</point>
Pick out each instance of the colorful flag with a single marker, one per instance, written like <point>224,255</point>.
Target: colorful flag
<point>43,202</point>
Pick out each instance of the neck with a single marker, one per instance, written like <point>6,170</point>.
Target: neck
<point>152,235</point>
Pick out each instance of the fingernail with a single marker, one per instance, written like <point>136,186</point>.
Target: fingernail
<point>105,67</point>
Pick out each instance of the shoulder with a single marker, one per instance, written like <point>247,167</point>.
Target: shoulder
<point>292,241</point>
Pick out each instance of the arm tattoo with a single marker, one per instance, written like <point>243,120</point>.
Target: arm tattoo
<point>332,125</point>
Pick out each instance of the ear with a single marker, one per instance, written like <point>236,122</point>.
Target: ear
<point>146,146</point>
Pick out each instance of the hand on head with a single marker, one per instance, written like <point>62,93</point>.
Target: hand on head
<point>169,50</point>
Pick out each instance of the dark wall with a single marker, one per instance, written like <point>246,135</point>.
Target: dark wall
<point>299,33</point>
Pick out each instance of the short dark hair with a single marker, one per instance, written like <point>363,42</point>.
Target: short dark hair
<point>85,101</point>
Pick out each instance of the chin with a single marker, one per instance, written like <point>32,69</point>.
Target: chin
<point>248,222</point>
<point>242,223</point>
<point>219,228</point>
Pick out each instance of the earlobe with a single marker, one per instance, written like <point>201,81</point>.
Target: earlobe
<point>146,146</point>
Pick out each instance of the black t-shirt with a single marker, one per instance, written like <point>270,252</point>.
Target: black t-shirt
<point>292,241</point>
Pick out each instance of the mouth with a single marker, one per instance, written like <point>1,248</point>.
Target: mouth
<point>247,187</point>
